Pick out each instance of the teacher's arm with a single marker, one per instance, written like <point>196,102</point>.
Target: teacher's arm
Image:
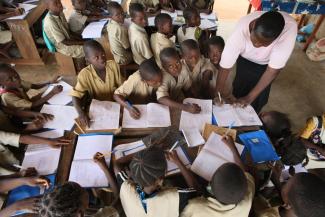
<point>221,79</point>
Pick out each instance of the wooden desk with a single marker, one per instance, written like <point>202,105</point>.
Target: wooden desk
<point>24,39</point>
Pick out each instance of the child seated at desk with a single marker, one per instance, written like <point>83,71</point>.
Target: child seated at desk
<point>98,81</point>
<point>161,39</point>
<point>144,195</point>
<point>137,34</point>
<point>166,5</point>
<point>191,29</point>
<point>14,90</point>
<point>215,46</point>
<point>140,87</point>
<point>203,6</point>
<point>176,81</point>
<point>118,35</point>
<point>56,28</point>
<point>5,35</point>
<point>150,6</point>
<point>202,72</point>
<point>232,191</point>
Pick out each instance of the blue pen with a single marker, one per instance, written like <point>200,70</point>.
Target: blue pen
<point>129,103</point>
<point>229,128</point>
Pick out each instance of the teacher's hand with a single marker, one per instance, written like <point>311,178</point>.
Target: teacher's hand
<point>243,101</point>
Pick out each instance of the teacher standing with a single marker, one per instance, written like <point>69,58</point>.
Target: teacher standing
<point>261,45</point>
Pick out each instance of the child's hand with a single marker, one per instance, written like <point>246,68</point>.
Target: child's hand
<point>30,171</point>
<point>99,158</point>
<point>243,101</point>
<point>56,143</point>
<point>56,80</point>
<point>43,116</point>
<point>192,108</point>
<point>37,181</point>
<point>173,157</point>
<point>229,142</point>
<point>30,204</point>
<point>57,89</point>
<point>19,11</point>
<point>134,112</point>
<point>84,120</point>
<point>36,124</point>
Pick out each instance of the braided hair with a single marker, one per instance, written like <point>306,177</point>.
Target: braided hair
<point>148,166</point>
<point>63,201</point>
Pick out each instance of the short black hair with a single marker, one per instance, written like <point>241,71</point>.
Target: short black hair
<point>270,24</point>
<point>112,7</point>
<point>135,8</point>
<point>307,195</point>
<point>278,127</point>
<point>292,150</point>
<point>189,12</point>
<point>168,53</point>
<point>147,166</point>
<point>229,184</point>
<point>64,201</point>
<point>217,41</point>
<point>189,44</point>
<point>149,69</point>
<point>161,19</point>
<point>90,46</point>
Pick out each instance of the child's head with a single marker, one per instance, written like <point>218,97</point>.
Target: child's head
<point>171,61</point>
<point>9,78</point>
<point>192,17</point>
<point>95,54</point>
<point>148,168</point>
<point>116,12</point>
<point>267,28</point>
<point>229,184</point>
<point>190,52</point>
<point>215,47</point>
<point>138,14</point>
<point>291,150</point>
<point>54,6</point>
<point>79,4</point>
<point>67,200</point>
<point>164,24</point>
<point>305,194</point>
<point>150,73</point>
<point>164,2</point>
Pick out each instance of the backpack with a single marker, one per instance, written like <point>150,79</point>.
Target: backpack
<point>316,139</point>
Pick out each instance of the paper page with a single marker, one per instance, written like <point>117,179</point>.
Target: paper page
<point>31,1</point>
<point>62,98</point>
<point>118,1</point>
<point>89,145</point>
<point>225,115</point>
<point>129,122</point>
<point>173,168</point>
<point>158,115</point>
<point>247,116</point>
<point>285,175</point>
<point>196,121</point>
<point>104,115</point>
<point>63,116</point>
<point>211,16</point>
<point>207,24</point>
<point>151,21</point>
<point>87,174</point>
<point>51,134</point>
<point>26,7</point>
<point>128,148</point>
<point>94,29</point>
<point>193,137</point>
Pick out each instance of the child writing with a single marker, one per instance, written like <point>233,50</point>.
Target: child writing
<point>98,81</point>
<point>161,39</point>
<point>118,35</point>
<point>176,81</point>
<point>56,28</point>
<point>14,91</point>
<point>137,34</point>
<point>191,29</point>
<point>151,7</point>
<point>140,87</point>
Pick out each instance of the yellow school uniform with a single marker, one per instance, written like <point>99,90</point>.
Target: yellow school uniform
<point>119,42</point>
<point>77,21</point>
<point>107,212</point>
<point>188,33</point>
<point>89,82</point>
<point>18,98</point>
<point>158,42</point>
<point>147,3</point>
<point>139,43</point>
<point>6,156</point>
<point>5,36</point>
<point>57,30</point>
<point>207,207</point>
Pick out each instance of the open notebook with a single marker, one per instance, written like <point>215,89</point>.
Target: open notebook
<point>152,115</point>
<point>182,154</point>
<point>196,121</point>
<point>226,114</point>
<point>83,168</point>
<point>62,98</point>
<point>213,155</point>
<point>193,137</point>
<point>128,148</point>
<point>94,29</point>
<point>43,157</point>
<point>104,115</point>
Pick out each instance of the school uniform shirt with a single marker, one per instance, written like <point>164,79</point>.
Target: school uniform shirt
<point>275,55</point>
<point>167,202</point>
<point>88,82</point>
<point>17,98</point>
<point>207,207</point>
<point>119,42</point>
<point>6,156</point>
<point>158,42</point>
<point>139,43</point>
<point>188,33</point>
<point>136,90</point>
<point>57,30</point>
<point>108,211</point>
<point>147,3</point>
<point>77,21</point>
<point>5,36</point>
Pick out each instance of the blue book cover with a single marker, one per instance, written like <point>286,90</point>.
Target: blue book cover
<point>259,146</point>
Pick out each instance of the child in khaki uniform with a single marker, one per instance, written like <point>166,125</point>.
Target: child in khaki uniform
<point>140,87</point>
<point>137,34</point>
<point>161,39</point>
<point>118,35</point>
<point>98,81</point>
<point>150,6</point>
<point>191,29</point>
<point>57,31</point>
<point>176,81</point>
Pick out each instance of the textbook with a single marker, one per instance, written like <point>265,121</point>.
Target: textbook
<point>43,157</point>
<point>104,115</point>
<point>259,146</point>
<point>152,115</point>
<point>123,150</point>
<point>213,155</point>
<point>83,168</point>
<point>62,98</point>
<point>226,114</point>
<point>196,121</point>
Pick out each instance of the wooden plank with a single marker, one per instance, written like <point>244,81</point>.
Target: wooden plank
<point>312,36</point>
<point>20,61</point>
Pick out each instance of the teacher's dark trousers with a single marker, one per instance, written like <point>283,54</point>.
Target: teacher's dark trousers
<point>247,76</point>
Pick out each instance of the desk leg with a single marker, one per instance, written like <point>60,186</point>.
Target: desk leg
<point>312,36</point>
